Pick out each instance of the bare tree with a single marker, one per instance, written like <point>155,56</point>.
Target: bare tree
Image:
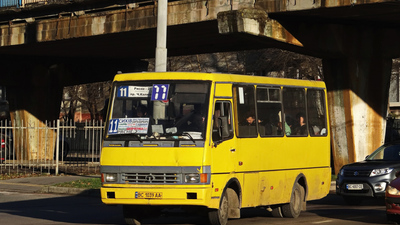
<point>90,97</point>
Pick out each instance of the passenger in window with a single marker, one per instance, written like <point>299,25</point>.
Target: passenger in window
<point>272,125</point>
<point>141,111</point>
<point>315,130</point>
<point>288,130</point>
<point>289,126</point>
<point>250,120</point>
<point>302,128</point>
<point>196,122</point>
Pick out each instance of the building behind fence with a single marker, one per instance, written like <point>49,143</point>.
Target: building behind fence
<point>69,147</point>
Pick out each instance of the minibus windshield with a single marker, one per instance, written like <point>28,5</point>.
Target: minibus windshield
<point>162,110</point>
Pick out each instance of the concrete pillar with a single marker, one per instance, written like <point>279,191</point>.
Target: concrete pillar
<point>34,94</point>
<point>161,48</point>
<point>357,96</point>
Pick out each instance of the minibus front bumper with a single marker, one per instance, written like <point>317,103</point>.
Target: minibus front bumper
<point>176,195</point>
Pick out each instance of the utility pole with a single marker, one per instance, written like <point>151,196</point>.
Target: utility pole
<point>161,48</point>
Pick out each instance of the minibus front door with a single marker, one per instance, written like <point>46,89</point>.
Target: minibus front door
<point>224,145</point>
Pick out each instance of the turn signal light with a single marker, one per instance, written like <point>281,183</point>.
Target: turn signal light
<point>203,178</point>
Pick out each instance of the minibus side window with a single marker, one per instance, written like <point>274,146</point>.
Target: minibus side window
<point>269,110</point>
<point>246,112</point>
<point>316,112</point>
<point>294,104</point>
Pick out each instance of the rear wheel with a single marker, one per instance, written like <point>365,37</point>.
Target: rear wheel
<point>220,216</point>
<point>277,211</point>
<point>293,208</point>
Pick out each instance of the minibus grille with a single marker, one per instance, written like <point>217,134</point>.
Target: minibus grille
<point>151,178</point>
<point>356,173</point>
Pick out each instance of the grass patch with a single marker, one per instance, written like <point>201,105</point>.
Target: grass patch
<point>89,183</point>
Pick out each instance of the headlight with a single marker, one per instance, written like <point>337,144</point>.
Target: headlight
<point>111,177</point>
<point>377,172</point>
<point>192,178</point>
<point>197,177</point>
<point>392,190</point>
<point>341,172</point>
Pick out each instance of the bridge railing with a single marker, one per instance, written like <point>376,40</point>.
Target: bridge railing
<point>20,3</point>
<point>51,147</point>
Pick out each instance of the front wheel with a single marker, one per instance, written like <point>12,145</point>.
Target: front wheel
<point>293,208</point>
<point>132,215</point>
<point>220,216</point>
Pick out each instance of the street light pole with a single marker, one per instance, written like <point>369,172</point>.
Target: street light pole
<point>161,48</point>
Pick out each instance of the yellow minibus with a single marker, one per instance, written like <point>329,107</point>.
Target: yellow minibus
<point>214,143</point>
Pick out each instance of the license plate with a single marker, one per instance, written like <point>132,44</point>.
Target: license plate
<point>354,186</point>
<point>148,194</point>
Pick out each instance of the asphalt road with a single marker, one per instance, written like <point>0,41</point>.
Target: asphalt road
<point>43,209</point>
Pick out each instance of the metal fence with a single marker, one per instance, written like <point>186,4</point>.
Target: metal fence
<point>53,147</point>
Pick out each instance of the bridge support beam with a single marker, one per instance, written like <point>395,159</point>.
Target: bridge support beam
<point>357,97</point>
<point>255,22</point>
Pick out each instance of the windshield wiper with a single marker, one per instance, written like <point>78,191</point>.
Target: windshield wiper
<point>190,136</point>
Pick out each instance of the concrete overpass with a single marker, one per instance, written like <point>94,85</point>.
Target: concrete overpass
<point>45,47</point>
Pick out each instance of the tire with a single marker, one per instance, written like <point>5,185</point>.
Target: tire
<point>277,212</point>
<point>293,208</point>
<point>220,216</point>
<point>131,215</point>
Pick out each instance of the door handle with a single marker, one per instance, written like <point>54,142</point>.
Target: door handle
<point>233,150</point>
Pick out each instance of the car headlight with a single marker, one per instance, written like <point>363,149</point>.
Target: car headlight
<point>110,177</point>
<point>341,172</point>
<point>392,190</point>
<point>377,172</point>
<point>197,177</point>
<point>192,178</point>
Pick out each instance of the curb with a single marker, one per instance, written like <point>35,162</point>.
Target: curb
<point>71,191</point>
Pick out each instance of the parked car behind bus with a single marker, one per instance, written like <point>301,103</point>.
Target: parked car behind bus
<point>370,177</point>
